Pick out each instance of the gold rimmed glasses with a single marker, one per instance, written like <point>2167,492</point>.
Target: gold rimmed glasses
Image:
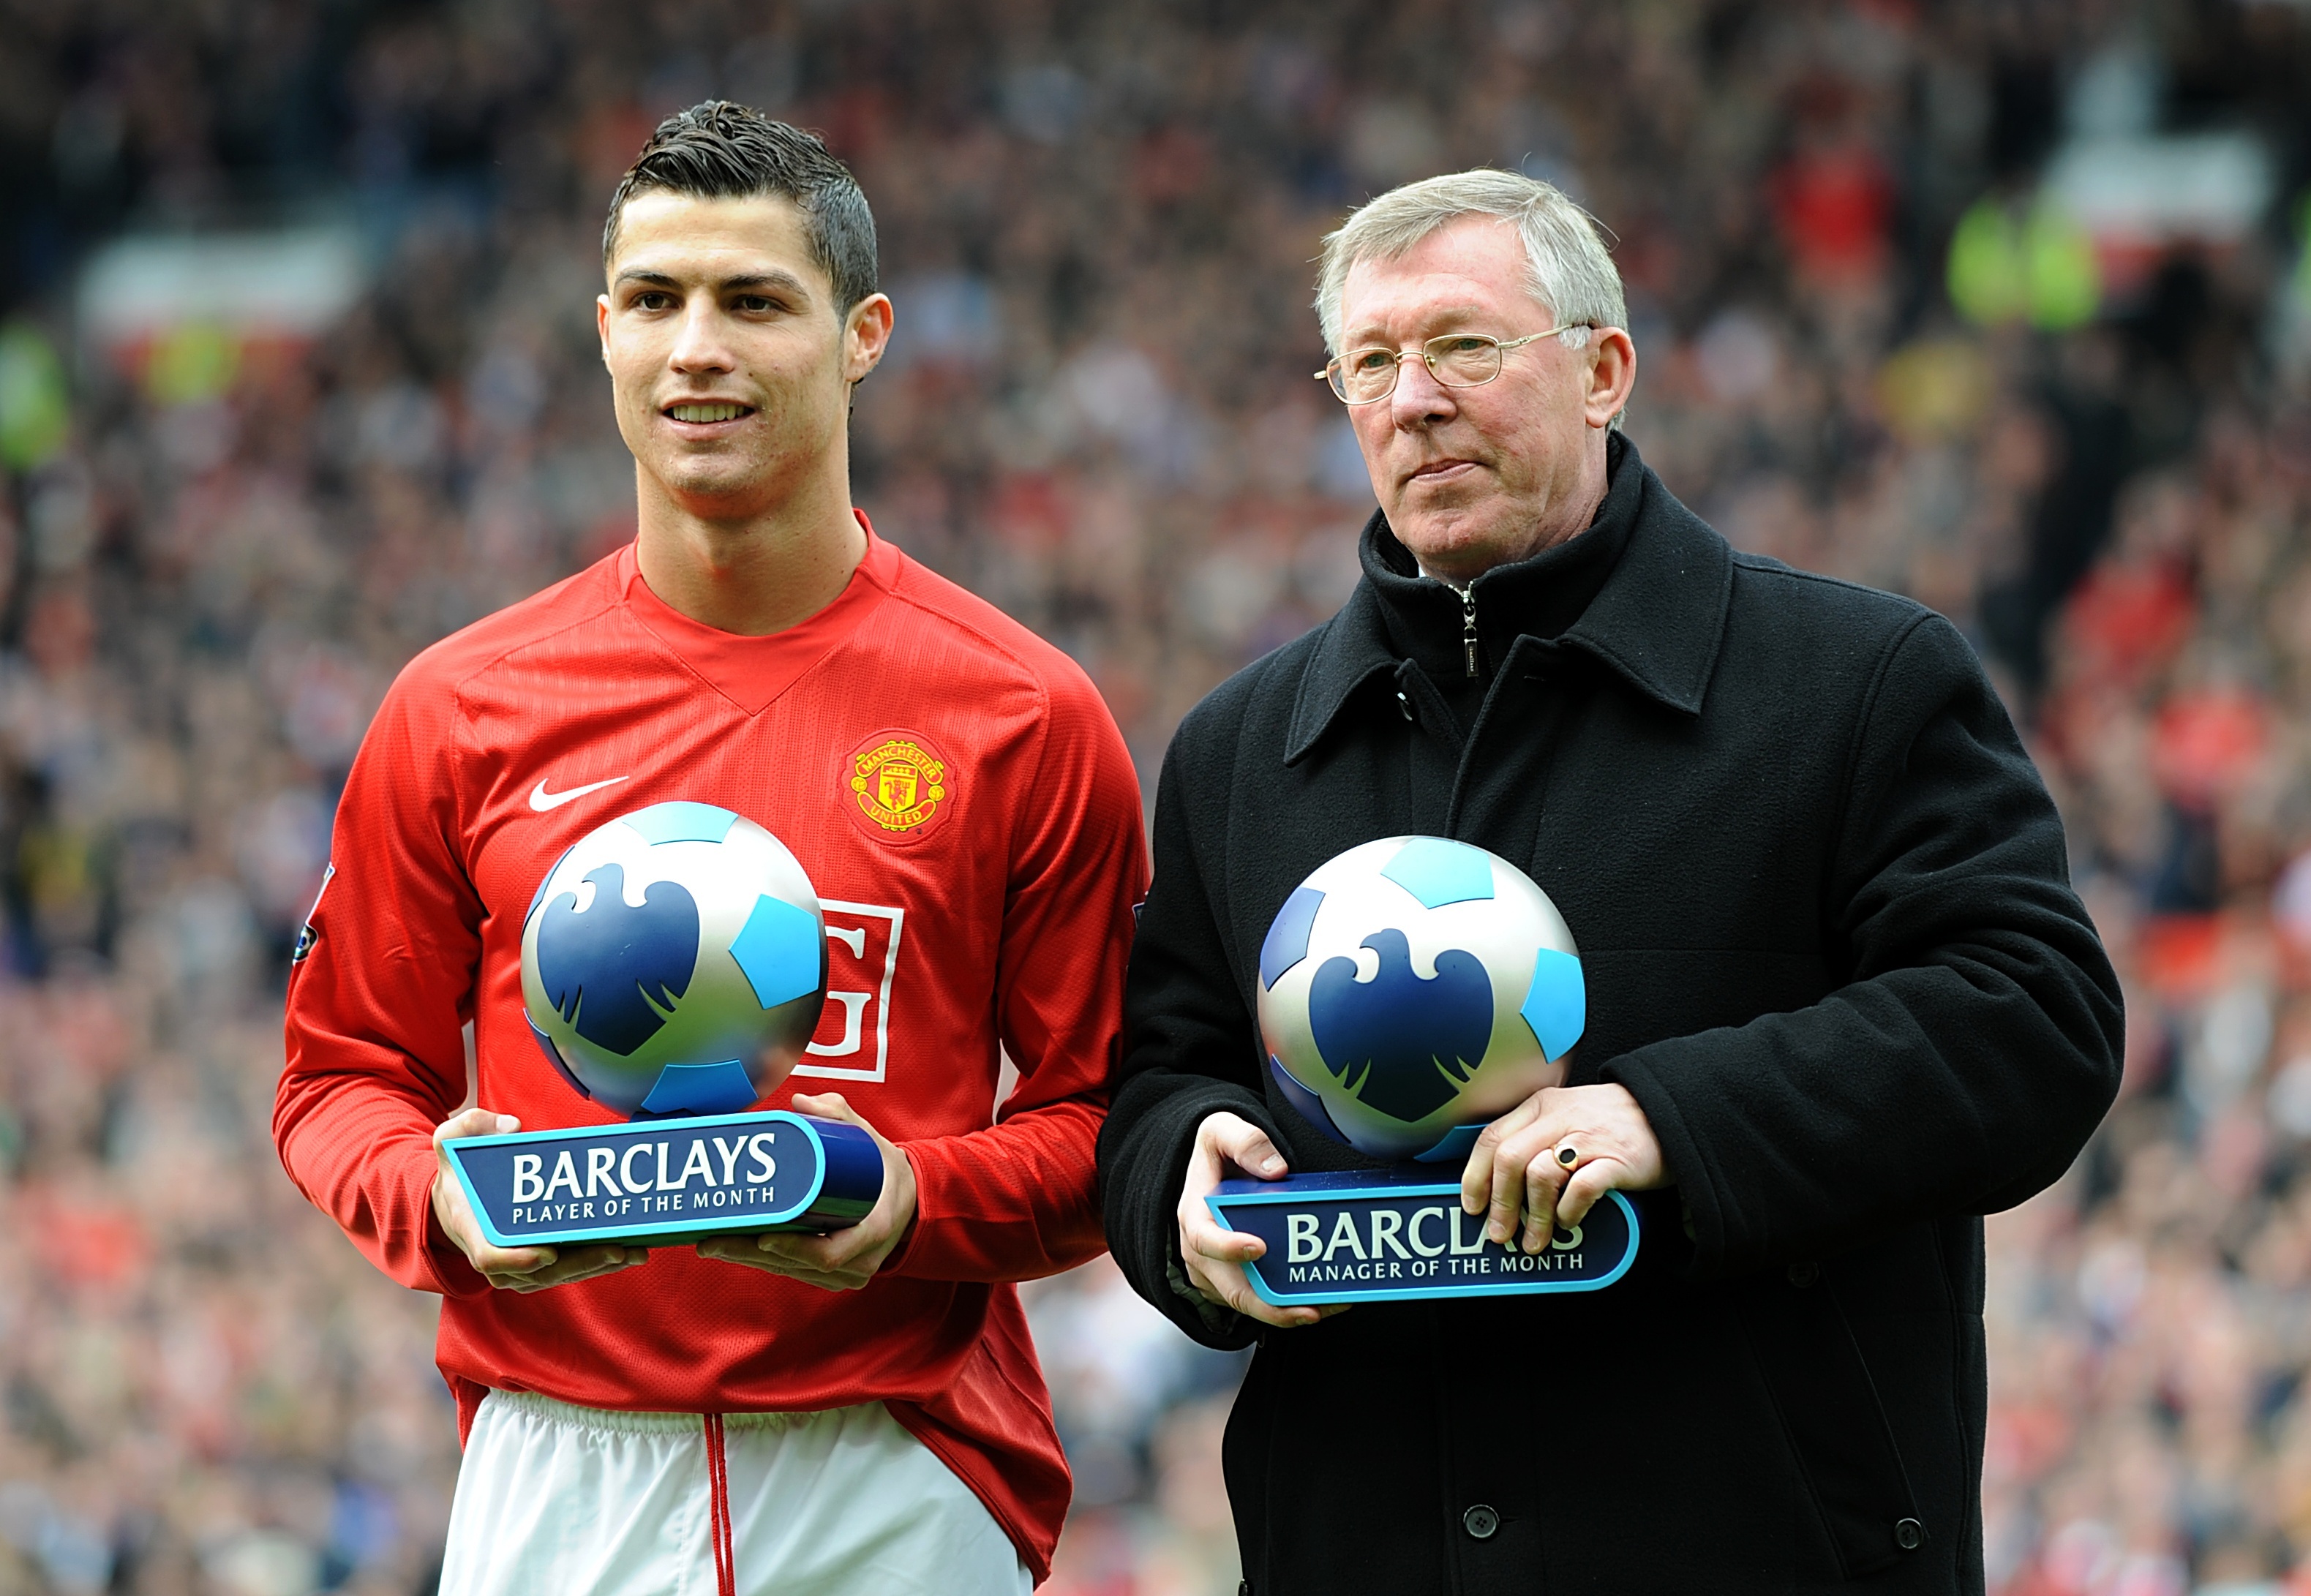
<point>1456,360</point>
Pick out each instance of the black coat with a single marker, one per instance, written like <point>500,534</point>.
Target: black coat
<point>1830,945</point>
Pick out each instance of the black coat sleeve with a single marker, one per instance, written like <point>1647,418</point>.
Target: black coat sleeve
<point>1187,1054</point>
<point>1977,1042</point>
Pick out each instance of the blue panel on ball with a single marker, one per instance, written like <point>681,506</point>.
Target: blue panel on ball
<point>681,823</point>
<point>721,1088</point>
<point>1288,933</point>
<point>1454,1147</point>
<point>611,971</point>
<point>1402,1045</point>
<point>1440,872</point>
<point>1310,1106</point>
<point>554,1056</point>
<point>1557,1008</point>
<point>778,948</point>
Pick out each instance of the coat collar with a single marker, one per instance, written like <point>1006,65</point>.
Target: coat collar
<point>1655,620</point>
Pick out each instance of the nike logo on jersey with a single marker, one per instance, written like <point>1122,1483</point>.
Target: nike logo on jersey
<point>542,800</point>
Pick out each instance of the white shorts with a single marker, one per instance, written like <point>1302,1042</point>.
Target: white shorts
<point>580,1502</point>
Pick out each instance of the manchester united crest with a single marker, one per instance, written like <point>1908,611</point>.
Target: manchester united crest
<point>898,780</point>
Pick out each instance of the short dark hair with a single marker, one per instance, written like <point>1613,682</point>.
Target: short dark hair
<point>719,151</point>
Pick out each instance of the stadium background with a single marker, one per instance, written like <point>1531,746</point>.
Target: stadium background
<point>2004,305</point>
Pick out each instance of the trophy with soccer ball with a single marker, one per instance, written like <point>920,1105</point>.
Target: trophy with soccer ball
<point>1411,990</point>
<point>673,966</point>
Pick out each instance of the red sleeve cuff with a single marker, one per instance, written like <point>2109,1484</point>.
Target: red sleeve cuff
<point>450,1271</point>
<point>894,1262</point>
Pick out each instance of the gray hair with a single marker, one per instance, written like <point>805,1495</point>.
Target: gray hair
<point>1566,267</point>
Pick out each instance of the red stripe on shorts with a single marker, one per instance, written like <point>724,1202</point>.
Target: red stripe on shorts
<point>717,1486</point>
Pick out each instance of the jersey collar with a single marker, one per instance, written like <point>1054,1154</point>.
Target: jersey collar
<point>752,672</point>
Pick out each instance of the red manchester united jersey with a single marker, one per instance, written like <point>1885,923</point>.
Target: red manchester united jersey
<point>963,805</point>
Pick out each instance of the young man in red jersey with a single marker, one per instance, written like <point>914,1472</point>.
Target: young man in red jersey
<point>859,1412</point>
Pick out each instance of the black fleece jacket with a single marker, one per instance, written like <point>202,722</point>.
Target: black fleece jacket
<point>1830,945</point>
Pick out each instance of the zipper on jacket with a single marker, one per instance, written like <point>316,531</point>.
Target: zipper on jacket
<point>1469,627</point>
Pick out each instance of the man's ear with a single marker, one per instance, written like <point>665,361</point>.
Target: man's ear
<point>1612,375</point>
<point>602,327</point>
<point>866,334</point>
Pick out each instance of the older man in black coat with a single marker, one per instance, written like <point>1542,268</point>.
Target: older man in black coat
<point>1842,998</point>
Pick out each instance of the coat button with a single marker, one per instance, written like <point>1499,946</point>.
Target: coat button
<point>1909,1534</point>
<point>1803,1275</point>
<point>1481,1521</point>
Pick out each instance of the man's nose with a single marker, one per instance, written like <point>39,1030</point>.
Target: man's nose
<point>1419,399</point>
<point>700,344</point>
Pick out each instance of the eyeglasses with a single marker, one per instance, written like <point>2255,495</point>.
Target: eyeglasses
<point>1456,360</point>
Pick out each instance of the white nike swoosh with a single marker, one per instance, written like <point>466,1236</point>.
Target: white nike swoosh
<point>542,800</point>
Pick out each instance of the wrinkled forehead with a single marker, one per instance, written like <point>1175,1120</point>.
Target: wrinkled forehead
<point>1471,270</point>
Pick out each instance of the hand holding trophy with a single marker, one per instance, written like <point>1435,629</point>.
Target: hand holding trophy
<point>1411,990</point>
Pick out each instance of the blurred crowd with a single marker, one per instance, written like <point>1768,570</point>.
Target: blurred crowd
<point>1872,341</point>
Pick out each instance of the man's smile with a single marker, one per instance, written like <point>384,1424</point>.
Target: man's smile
<point>705,413</point>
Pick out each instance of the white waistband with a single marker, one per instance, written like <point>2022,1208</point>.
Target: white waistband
<point>530,1404</point>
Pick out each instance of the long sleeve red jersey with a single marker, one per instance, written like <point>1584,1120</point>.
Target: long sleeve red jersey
<point>968,814</point>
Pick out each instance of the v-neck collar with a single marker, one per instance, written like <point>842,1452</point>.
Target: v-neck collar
<point>752,672</point>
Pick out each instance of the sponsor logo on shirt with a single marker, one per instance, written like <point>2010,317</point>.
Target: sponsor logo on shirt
<point>898,780</point>
<point>853,1041</point>
<point>542,800</point>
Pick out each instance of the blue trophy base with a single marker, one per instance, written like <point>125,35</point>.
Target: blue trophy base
<point>669,1181</point>
<point>1398,1234</point>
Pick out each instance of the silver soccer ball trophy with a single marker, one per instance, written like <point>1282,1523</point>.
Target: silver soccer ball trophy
<point>1412,990</point>
<point>674,961</point>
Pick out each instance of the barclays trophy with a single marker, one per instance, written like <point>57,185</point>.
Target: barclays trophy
<point>673,966</point>
<point>1411,990</point>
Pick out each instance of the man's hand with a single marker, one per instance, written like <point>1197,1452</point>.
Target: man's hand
<point>1216,1257</point>
<point>1554,1156</point>
<point>840,1261</point>
<point>510,1269</point>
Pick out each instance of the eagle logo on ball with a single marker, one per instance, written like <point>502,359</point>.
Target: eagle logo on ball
<point>1403,1044</point>
<point>614,969</point>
